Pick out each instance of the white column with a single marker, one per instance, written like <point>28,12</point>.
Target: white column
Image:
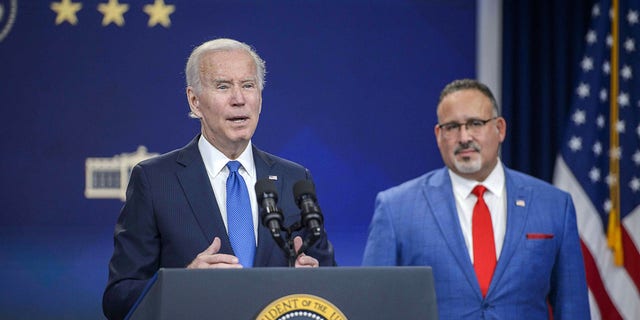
<point>489,45</point>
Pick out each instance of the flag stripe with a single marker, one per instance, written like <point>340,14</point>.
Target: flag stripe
<point>596,286</point>
<point>632,258</point>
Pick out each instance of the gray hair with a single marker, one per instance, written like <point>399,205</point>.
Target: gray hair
<point>222,44</point>
<point>470,84</point>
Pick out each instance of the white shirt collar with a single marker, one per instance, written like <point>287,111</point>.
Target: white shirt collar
<point>215,161</point>
<point>494,182</point>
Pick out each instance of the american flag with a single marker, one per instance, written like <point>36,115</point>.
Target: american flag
<point>599,163</point>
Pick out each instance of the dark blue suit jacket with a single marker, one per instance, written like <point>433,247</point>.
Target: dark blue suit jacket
<point>416,224</point>
<point>171,215</point>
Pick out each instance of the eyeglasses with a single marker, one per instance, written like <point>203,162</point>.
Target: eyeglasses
<point>473,126</point>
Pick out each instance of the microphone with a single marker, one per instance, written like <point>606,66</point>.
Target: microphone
<point>304,191</point>
<point>267,196</point>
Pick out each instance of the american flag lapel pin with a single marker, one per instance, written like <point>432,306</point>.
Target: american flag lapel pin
<point>274,178</point>
<point>520,203</point>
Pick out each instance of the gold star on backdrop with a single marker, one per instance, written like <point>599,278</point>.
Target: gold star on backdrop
<point>113,12</point>
<point>66,11</point>
<point>159,13</point>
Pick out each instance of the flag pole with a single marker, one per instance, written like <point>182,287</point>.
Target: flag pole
<point>614,232</point>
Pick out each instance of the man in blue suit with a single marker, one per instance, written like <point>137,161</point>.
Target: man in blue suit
<point>510,252</point>
<point>176,213</point>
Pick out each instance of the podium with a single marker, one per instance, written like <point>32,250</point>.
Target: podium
<point>332,293</point>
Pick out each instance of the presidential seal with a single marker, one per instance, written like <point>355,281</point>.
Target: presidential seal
<point>8,11</point>
<point>301,307</point>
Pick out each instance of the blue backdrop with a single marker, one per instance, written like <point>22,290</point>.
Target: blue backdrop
<point>351,93</point>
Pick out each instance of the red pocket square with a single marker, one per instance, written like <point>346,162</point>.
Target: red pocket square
<point>539,236</point>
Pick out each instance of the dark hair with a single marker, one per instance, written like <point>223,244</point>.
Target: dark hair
<point>469,84</point>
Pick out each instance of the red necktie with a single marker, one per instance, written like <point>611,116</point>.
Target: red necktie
<point>484,248</point>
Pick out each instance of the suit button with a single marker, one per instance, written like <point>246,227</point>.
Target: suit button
<point>485,305</point>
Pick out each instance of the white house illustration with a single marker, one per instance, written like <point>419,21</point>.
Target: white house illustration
<point>107,178</point>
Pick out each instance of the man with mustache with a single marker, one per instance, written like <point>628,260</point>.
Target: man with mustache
<point>502,244</point>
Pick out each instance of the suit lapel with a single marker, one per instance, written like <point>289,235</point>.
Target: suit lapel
<point>266,244</point>
<point>518,198</point>
<point>199,193</point>
<point>439,195</point>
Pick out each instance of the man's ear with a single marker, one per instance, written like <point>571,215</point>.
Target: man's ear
<point>501,125</point>
<point>194,102</point>
<point>438,136</point>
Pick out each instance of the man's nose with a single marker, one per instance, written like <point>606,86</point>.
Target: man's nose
<point>237,96</point>
<point>465,135</point>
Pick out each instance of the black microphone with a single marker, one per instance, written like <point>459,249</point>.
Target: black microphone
<point>304,191</point>
<point>267,196</point>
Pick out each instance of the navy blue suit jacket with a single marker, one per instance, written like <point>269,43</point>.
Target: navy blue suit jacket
<point>416,224</point>
<point>171,215</point>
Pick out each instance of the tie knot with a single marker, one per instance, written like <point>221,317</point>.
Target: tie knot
<point>233,165</point>
<point>479,190</point>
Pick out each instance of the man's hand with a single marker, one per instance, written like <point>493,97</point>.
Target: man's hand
<point>303,261</point>
<point>210,258</point>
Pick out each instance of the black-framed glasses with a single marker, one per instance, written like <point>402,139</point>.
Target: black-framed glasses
<point>473,126</point>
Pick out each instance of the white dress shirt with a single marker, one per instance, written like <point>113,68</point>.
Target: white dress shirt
<point>496,199</point>
<point>216,164</point>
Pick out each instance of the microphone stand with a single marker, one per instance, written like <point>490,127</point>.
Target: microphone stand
<point>286,242</point>
<point>272,217</point>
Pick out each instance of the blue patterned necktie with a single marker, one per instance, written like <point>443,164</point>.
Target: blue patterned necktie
<point>239,217</point>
